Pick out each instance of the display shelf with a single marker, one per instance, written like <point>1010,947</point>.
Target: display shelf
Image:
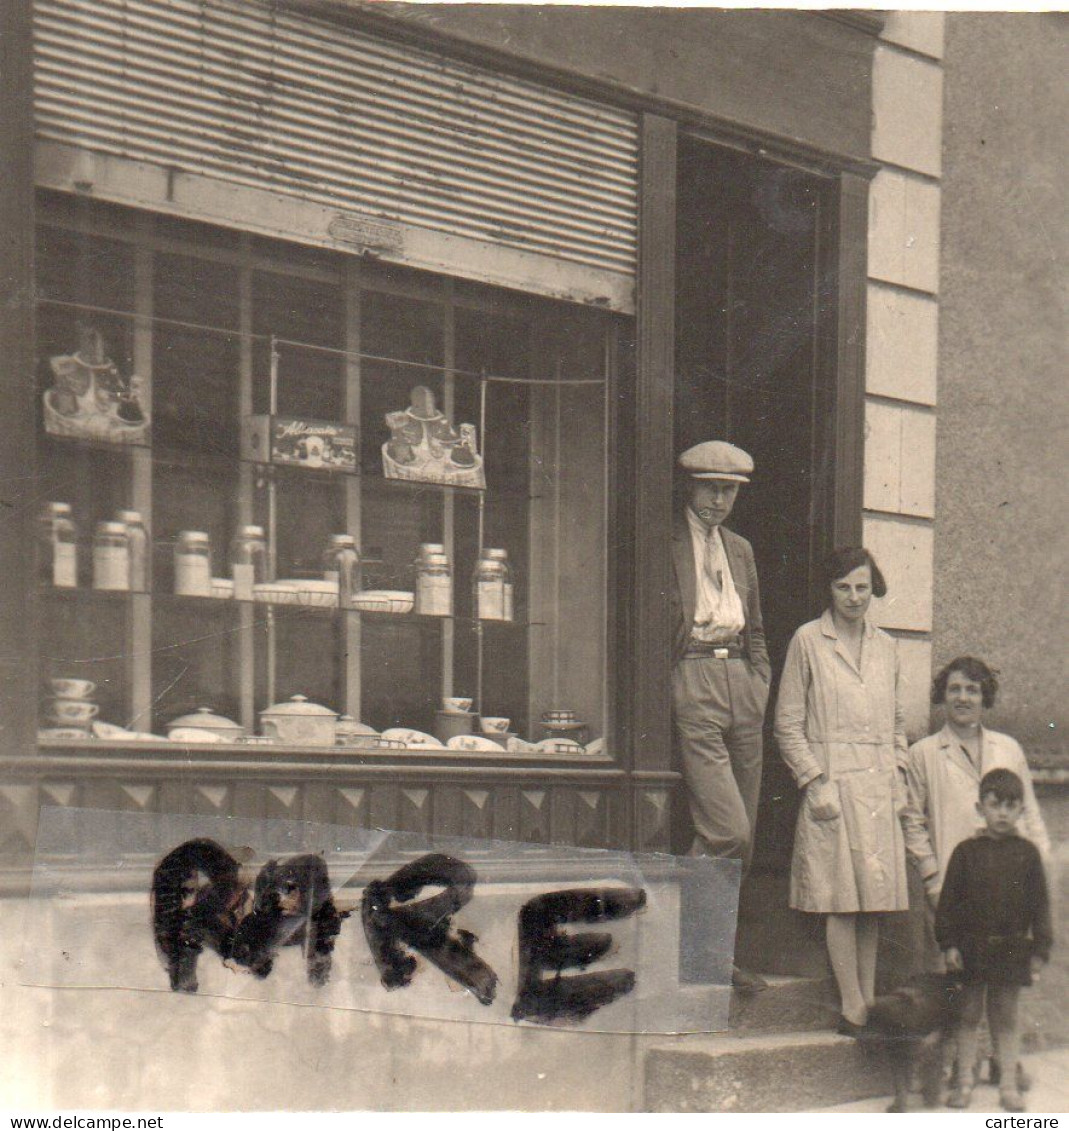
<point>89,594</point>
<point>328,756</point>
<point>86,593</point>
<point>208,460</point>
<point>94,445</point>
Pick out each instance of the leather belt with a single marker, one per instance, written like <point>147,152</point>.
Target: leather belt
<point>729,650</point>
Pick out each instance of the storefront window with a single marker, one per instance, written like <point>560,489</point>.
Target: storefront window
<point>173,356</point>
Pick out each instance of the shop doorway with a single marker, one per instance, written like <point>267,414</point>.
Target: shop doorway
<point>753,305</point>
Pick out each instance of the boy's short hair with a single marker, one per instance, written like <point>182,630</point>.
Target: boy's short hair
<point>971,668</point>
<point>1004,784</point>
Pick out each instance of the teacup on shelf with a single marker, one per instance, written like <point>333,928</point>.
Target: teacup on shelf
<point>491,724</point>
<point>72,712</point>
<point>456,705</point>
<point>64,687</point>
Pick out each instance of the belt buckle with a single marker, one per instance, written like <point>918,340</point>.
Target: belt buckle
<point>721,653</point>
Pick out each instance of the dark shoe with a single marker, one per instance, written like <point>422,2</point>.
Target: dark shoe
<point>745,981</point>
<point>960,1097</point>
<point>994,1075</point>
<point>1011,1099</point>
<point>848,1028</point>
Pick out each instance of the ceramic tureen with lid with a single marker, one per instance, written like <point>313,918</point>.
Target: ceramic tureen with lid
<point>299,722</point>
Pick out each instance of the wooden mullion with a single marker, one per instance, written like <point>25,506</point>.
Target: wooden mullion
<point>18,453</point>
<point>139,623</point>
<point>849,250</point>
<point>449,362</point>
<point>350,622</point>
<point>654,445</point>
<point>245,673</point>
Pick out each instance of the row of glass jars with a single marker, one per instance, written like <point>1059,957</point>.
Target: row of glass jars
<point>120,562</point>
<point>119,552</point>
<point>492,585</point>
<point>492,579</point>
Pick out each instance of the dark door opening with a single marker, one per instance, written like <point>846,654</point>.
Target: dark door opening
<point>752,309</point>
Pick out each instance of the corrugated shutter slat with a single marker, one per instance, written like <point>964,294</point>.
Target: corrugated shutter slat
<point>254,96</point>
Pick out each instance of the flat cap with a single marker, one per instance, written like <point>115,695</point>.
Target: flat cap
<point>716,459</point>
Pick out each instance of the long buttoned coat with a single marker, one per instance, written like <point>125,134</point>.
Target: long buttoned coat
<point>837,719</point>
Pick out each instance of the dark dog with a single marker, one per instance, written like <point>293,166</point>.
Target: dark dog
<point>292,905</point>
<point>911,1027</point>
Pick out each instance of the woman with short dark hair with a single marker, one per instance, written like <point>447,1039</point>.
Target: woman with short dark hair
<point>840,729</point>
<point>972,669</point>
<point>944,771</point>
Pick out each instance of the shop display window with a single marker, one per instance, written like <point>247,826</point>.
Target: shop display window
<point>214,382</point>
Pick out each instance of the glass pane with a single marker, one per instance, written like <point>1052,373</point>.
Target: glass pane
<point>526,375</point>
<point>307,318</point>
<point>84,637</point>
<point>194,653</point>
<point>195,366</point>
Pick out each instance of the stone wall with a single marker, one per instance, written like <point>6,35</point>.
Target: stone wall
<point>1000,532</point>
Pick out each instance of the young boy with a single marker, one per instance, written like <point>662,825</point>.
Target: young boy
<point>993,923</point>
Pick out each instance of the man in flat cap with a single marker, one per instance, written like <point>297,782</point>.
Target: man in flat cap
<point>721,673</point>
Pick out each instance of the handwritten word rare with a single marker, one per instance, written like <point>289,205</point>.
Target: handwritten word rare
<point>199,901</point>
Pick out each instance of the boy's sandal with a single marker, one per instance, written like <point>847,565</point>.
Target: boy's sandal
<point>1011,1100</point>
<point>961,1096</point>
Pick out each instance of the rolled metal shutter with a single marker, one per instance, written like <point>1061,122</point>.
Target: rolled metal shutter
<point>246,94</point>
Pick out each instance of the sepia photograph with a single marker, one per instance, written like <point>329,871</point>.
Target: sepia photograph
<point>532,569</point>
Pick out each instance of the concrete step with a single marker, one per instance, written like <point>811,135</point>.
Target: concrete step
<point>788,1005</point>
<point>774,1072</point>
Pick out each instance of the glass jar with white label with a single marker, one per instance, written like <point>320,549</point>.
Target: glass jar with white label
<point>502,556</point>
<point>341,565</point>
<point>193,564</point>
<point>434,584</point>
<point>138,535</point>
<point>57,546</point>
<point>492,584</point>
<point>248,561</point>
<point>111,556</point>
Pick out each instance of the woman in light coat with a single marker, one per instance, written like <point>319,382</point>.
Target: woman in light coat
<point>839,728</point>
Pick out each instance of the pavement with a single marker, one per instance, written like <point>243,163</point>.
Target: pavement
<point>1049,1094</point>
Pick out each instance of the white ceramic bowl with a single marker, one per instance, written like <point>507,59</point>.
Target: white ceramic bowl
<point>472,742</point>
<point>411,737</point>
<point>559,746</point>
<point>317,594</point>
<point>384,601</point>
<point>275,593</point>
<point>492,724</point>
<point>456,706</point>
